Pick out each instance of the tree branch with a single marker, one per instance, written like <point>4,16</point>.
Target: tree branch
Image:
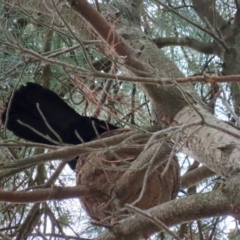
<point>209,12</point>
<point>195,176</point>
<point>202,47</point>
<point>54,193</point>
<point>216,203</point>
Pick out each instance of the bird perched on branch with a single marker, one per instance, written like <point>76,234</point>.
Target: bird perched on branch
<point>39,115</point>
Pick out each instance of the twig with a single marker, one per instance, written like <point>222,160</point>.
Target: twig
<point>75,37</point>
<point>48,125</point>
<point>37,132</point>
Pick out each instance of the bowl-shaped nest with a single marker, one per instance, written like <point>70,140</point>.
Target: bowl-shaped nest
<point>103,171</point>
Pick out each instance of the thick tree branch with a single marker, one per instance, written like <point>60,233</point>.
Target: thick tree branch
<point>109,35</point>
<point>195,176</point>
<point>217,203</point>
<point>203,47</point>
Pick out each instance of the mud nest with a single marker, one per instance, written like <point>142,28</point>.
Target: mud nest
<point>107,170</point>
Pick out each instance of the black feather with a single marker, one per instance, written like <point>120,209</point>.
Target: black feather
<point>61,118</point>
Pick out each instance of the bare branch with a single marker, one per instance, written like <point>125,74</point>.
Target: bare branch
<point>54,193</point>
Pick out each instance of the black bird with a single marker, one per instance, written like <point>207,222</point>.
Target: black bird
<point>34,110</point>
